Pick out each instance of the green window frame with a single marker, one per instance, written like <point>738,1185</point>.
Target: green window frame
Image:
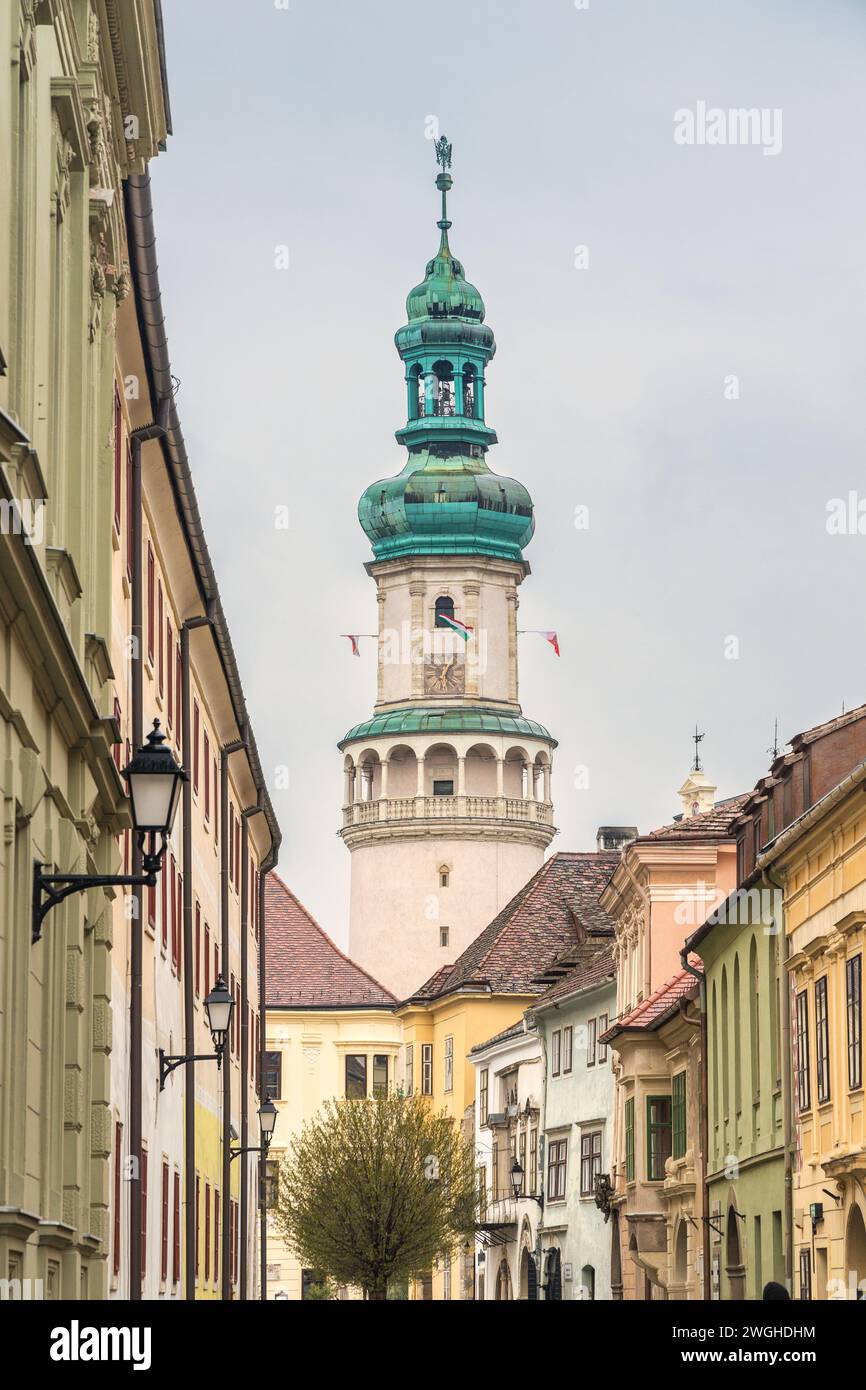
<point>678,1107</point>
<point>629,1140</point>
<point>659,1135</point>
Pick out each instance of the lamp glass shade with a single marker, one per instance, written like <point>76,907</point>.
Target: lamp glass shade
<point>516,1178</point>
<point>219,1005</point>
<point>154,779</point>
<point>267,1118</point>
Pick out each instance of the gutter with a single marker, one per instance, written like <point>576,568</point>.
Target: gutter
<point>705,1121</point>
<point>144,269</point>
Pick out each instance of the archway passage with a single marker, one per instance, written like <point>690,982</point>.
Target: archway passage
<point>553,1281</point>
<point>528,1276</point>
<point>855,1252</point>
<point>503,1283</point>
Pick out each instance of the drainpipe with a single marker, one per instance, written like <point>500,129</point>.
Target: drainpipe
<point>225,754</point>
<point>787,1079</point>
<point>136,948</point>
<point>188,962</point>
<point>263,1043</point>
<point>245,1042</point>
<point>705,1122</point>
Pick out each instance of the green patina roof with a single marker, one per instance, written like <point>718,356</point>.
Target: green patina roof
<point>445,292</point>
<point>462,720</point>
<point>447,506</point>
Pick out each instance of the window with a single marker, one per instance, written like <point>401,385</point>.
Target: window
<point>356,1076</point>
<point>521,1158</point>
<point>271,1182</point>
<point>822,1041</point>
<point>678,1105</point>
<point>483,1093</point>
<point>206,959</point>
<point>216,804</point>
<point>410,1069</point>
<point>658,1136</point>
<point>854,995</point>
<point>557,1157</point>
<point>197,1222</point>
<point>197,950</point>
<point>207,1232</point>
<point>169,644</point>
<point>591,1035</point>
<point>178,681</point>
<point>590,1162</point>
<point>151,587</point>
<point>164,876</point>
<point>196,734</point>
<point>118,455</point>
<point>533,1161</point>
<point>555,1051</point>
<point>233,1034</point>
<point>494,1170</point>
<point>274,1075</point>
<point>481,1179</point>
<point>629,1140</point>
<point>427,1069</point>
<point>803,1096</point>
<point>449,1064</point>
<point>206,778</point>
<point>602,1029</point>
<point>216,1235</point>
<point>567,1048</point>
<point>444,936</point>
<point>444,611</point>
<point>380,1074</point>
<point>444,876</point>
<point>160,650</point>
<point>163,1256</point>
<point>118,1210</point>
<point>175,1253</point>
<point>143,1213</point>
<point>443,787</point>
<point>446,1279</point>
<point>806,1275</point>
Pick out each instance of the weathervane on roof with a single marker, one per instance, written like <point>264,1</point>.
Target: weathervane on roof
<point>697,739</point>
<point>443,152</point>
<point>774,751</point>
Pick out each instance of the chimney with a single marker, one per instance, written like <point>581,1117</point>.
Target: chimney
<point>614,837</point>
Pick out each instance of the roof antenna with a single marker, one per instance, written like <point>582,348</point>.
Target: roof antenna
<point>697,739</point>
<point>775,748</point>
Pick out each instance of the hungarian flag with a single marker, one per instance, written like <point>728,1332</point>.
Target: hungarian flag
<point>456,626</point>
<point>353,638</point>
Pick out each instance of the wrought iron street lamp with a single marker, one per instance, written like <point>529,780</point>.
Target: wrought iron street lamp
<point>154,779</point>
<point>517,1185</point>
<point>267,1123</point>
<point>218,1007</point>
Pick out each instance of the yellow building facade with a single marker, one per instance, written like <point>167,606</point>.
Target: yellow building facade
<point>820,861</point>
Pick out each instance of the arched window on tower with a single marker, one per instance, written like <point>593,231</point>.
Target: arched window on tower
<point>443,389</point>
<point>444,609</point>
<point>416,392</point>
<point>469,390</point>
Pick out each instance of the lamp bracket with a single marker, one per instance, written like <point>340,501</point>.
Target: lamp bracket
<point>51,889</point>
<point>168,1064</point>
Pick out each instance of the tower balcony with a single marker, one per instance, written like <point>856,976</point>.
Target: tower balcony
<point>438,808</point>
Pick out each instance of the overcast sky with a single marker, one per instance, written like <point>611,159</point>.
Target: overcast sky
<point>611,387</point>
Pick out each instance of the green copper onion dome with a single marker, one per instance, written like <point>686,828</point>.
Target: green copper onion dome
<point>446,501</point>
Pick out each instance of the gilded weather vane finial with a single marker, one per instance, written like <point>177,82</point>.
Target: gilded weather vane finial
<point>443,152</point>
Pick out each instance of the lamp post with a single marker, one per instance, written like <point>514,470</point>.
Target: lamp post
<point>267,1123</point>
<point>154,780</point>
<point>218,1007</point>
<point>517,1184</point>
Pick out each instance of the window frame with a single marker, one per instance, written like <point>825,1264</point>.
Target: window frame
<point>409,1068</point>
<point>629,1136</point>
<point>557,1168</point>
<point>355,1057</point>
<point>448,1060</point>
<point>591,1142</point>
<point>854,1020</point>
<point>484,1094</point>
<point>679,1117</point>
<point>556,1052</point>
<point>591,1041</point>
<point>822,1041</point>
<point>427,1069</point>
<point>653,1128</point>
<point>804,1070</point>
<point>567,1049</point>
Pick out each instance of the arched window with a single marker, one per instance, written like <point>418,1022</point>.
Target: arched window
<point>416,393</point>
<point>444,609</point>
<point>469,394</point>
<point>443,389</point>
<point>444,875</point>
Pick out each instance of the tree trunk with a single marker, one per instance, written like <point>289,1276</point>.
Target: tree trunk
<point>378,1294</point>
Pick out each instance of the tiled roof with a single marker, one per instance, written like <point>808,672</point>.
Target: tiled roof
<point>305,970</point>
<point>829,725</point>
<point>650,1012</point>
<point>541,922</point>
<point>587,966</point>
<point>707,825</point>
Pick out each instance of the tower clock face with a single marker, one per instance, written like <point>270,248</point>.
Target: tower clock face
<point>444,675</point>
